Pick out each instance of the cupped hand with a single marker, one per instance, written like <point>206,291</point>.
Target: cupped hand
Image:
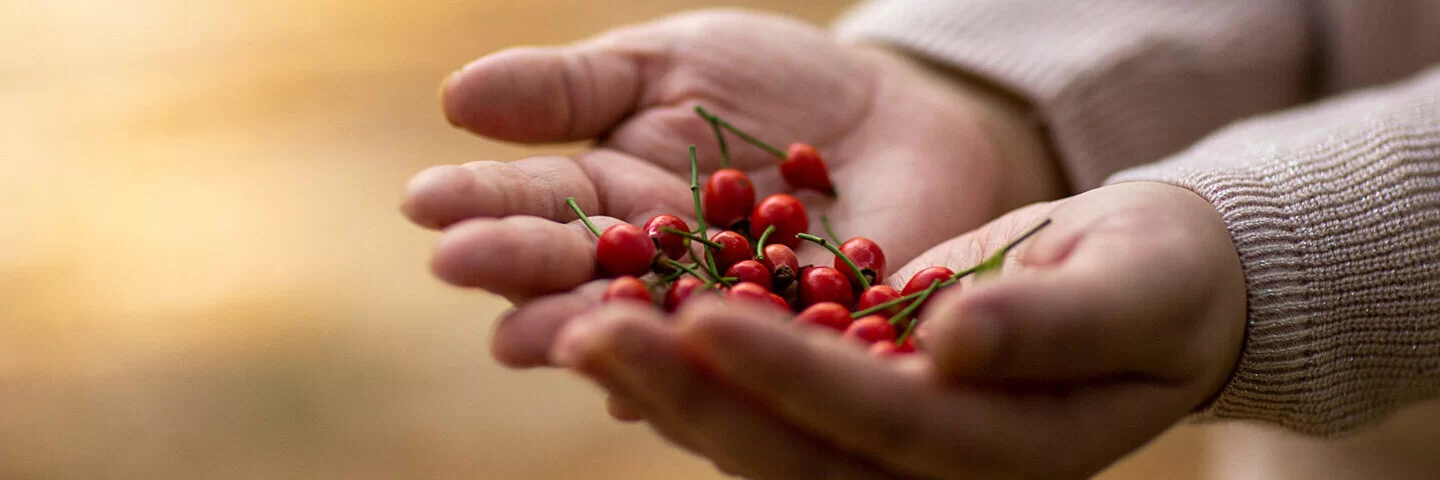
<point>917,156</point>
<point>1105,329</point>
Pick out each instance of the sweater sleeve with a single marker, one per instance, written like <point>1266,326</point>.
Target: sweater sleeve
<point>1334,210</point>
<point>1118,83</point>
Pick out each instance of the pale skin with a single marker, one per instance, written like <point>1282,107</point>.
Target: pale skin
<point>1103,330</point>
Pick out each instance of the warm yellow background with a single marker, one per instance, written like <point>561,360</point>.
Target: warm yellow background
<point>203,273</point>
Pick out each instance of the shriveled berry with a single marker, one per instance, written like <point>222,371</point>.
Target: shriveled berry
<point>627,288</point>
<point>879,294</point>
<point>826,314</point>
<point>924,278</point>
<point>625,249</point>
<point>805,168</point>
<point>728,196</point>
<point>672,245</point>
<point>786,213</point>
<point>734,248</point>
<point>870,329</point>
<point>750,271</point>
<point>784,266</point>
<point>824,284</point>
<point>682,290</point>
<point>867,255</point>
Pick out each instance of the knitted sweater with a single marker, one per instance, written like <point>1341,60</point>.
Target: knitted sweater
<point>1334,208</point>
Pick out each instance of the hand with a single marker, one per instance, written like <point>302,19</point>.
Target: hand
<point>1102,331</point>
<point>917,156</point>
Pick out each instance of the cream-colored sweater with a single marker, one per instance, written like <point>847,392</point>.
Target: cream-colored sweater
<point>1333,207</point>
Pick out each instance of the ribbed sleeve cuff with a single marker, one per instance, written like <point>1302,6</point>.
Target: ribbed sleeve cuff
<point>1335,213</point>
<point>1118,83</point>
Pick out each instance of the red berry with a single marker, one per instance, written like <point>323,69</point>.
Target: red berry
<point>871,329</point>
<point>627,288</point>
<point>682,290</point>
<point>779,301</point>
<point>754,292</point>
<point>826,314</point>
<point>824,284</point>
<point>890,349</point>
<point>728,196</point>
<point>673,245</point>
<point>924,278</point>
<point>867,255</point>
<point>879,294</point>
<point>784,266</point>
<point>750,271</point>
<point>786,213</point>
<point>734,249</point>
<point>804,168</point>
<point>625,249</point>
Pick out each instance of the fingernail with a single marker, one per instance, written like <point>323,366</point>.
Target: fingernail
<point>570,344</point>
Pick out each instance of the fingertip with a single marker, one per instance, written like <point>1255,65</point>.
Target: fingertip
<point>436,197</point>
<point>516,257</point>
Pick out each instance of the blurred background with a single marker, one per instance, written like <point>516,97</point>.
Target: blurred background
<point>203,272</point>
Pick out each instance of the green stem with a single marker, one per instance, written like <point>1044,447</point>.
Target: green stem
<point>864,284</point>
<point>719,137</point>
<point>583,217</point>
<point>700,227</point>
<point>739,133</point>
<point>908,330</point>
<point>691,236</point>
<point>922,296</point>
<point>958,275</point>
<point>692,271</point>
<point>825,220</point>
<point>760,244</point>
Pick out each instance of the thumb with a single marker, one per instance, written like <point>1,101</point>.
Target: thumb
<point>551,94</point>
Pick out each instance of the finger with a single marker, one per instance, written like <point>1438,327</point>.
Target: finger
<point>441,196</point>
<point>623,410</point>
<point>524,335</point>
<point>1103,312</point>
<point>517,257</point>
<point>603,182</point>
<point>555,94</point>
<point>633,354</point>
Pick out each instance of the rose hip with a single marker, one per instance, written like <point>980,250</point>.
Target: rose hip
<point>672,245</point>
<point>783,265</point>
<point>627,288</point>
<point>750,271</point>
<point>867,255</point>
<point>625,249</point>
<point>682,290</point>
<point>924,278</point>
<point>728,197</point>
<point>804,168</point>
<point>755,293</point>
<point>890,349</point>
<point>779,301</point>
<point>786,213</point>
<point>877,295</point>
<point>824,284</point>
<point>826,314</point>
<point>871,329</point>
<point>734,248</point>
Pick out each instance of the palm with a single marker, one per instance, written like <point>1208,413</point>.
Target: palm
<point>910,161</point>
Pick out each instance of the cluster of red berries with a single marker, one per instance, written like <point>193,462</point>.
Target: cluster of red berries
<point>754,259</point>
